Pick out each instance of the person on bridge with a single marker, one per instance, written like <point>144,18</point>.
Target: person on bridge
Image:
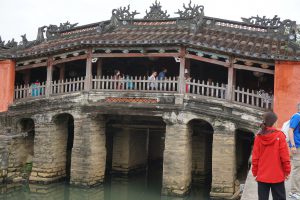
<point>294,136</point>
<point>270,159</point>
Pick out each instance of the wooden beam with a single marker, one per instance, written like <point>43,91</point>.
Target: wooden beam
<point>25,67</point>
<point>62,71</point>
<point>208,60</point>
<point>231,80</point>
<point>64,60</point>
<point>99,67</point>
<point>253,69</point>
<point>132,55</point>
<point>181,71</point>
<point>49,76</point>
<point>26,76</point>
<point>88,72</point>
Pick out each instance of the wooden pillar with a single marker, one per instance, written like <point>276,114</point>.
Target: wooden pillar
<point>26,76</point>
<point>62,71</point>
<point>183,61</point>
<point>88,72</point>
<point>49,76</point>
<point>99,67</point>
<point>231,80</point>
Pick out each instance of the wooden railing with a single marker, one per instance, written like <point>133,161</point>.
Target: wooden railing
<point>107,83</point>
<point>33,90</point>
<point>259,99</point>
<point>210,89</point>
<point>67,86</point>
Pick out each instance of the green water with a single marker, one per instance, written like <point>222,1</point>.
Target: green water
<point>143,186</point>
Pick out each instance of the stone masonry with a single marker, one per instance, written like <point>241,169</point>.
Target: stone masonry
<point>177,165</point>
<point>89,152</point>
<point>223,160</point>
<point>130,150</point>
<point>49,161</point>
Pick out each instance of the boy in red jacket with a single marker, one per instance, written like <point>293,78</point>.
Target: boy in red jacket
<point>270,159</point>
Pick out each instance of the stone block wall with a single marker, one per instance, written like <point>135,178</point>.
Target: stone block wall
<point>223,160</point>
<point>49,161</point>
<point>89,152</point>
<point>177,166</point>
<point>130,150</point>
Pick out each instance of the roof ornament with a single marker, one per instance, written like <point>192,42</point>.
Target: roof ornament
<point>40,35</point>
<point>54,30</point>
<point>191,11</point>
<point>1,43</point>
<point>156,12</point>
<point>124,13</point>
<point>283,27</point>
<point>120,16</point>
<point>11,44</point>
<point>192,15</point>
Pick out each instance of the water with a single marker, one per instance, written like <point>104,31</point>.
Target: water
<point>143,186</point>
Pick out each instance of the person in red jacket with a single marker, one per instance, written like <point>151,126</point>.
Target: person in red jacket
<point>270,159</point>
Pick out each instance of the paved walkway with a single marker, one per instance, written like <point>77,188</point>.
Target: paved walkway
<point>250,189</point>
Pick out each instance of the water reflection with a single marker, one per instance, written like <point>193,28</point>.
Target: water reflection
<point>116,187</point>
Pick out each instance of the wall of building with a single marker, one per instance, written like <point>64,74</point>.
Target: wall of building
<point>287,89</point>
<point>7,82</point>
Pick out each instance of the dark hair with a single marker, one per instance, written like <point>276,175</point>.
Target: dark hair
<point>269,119</point>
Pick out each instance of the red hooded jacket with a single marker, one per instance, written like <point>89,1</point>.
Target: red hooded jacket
<point>270,156</point>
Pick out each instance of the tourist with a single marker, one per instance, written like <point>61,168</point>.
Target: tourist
<point>35,88</point>
<point>152,80</point>
<point>118,78</point>
<point>162,74</point>
<point>270,159</point>
<point>187,81</point>
<point>294,136</point>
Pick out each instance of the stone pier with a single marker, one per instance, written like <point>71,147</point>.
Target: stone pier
<point>89,152</point>
<point>49,160</point>
<point>223,160</point>
<point>130,150</point>
<point>177,166</point>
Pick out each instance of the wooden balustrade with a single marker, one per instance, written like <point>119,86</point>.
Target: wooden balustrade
<point>27,91</point>
<point>253,98</point>
<point>209,89</point>
<point>140,83</point>
<point>67,86</point>
<point>259,99</point>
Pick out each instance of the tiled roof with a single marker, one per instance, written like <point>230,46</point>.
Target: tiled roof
<point>250,38</point>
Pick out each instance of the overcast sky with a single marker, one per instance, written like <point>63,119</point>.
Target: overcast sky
<point>25,16</point>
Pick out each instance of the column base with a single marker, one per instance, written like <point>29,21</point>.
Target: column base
<point>92,183</point>
<point>222,192</point>
<point>131,170</point>
<point>177,192</point>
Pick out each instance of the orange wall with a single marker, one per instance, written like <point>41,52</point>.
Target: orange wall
<point>287,89</point>
<point>7,82</point>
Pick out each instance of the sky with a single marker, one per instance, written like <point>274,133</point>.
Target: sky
<point>18,17</point>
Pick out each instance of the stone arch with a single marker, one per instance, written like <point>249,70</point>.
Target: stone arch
<point>63,141</point>
<point>244,143</point>
<point>22,148</point>
<point>202,140</point>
